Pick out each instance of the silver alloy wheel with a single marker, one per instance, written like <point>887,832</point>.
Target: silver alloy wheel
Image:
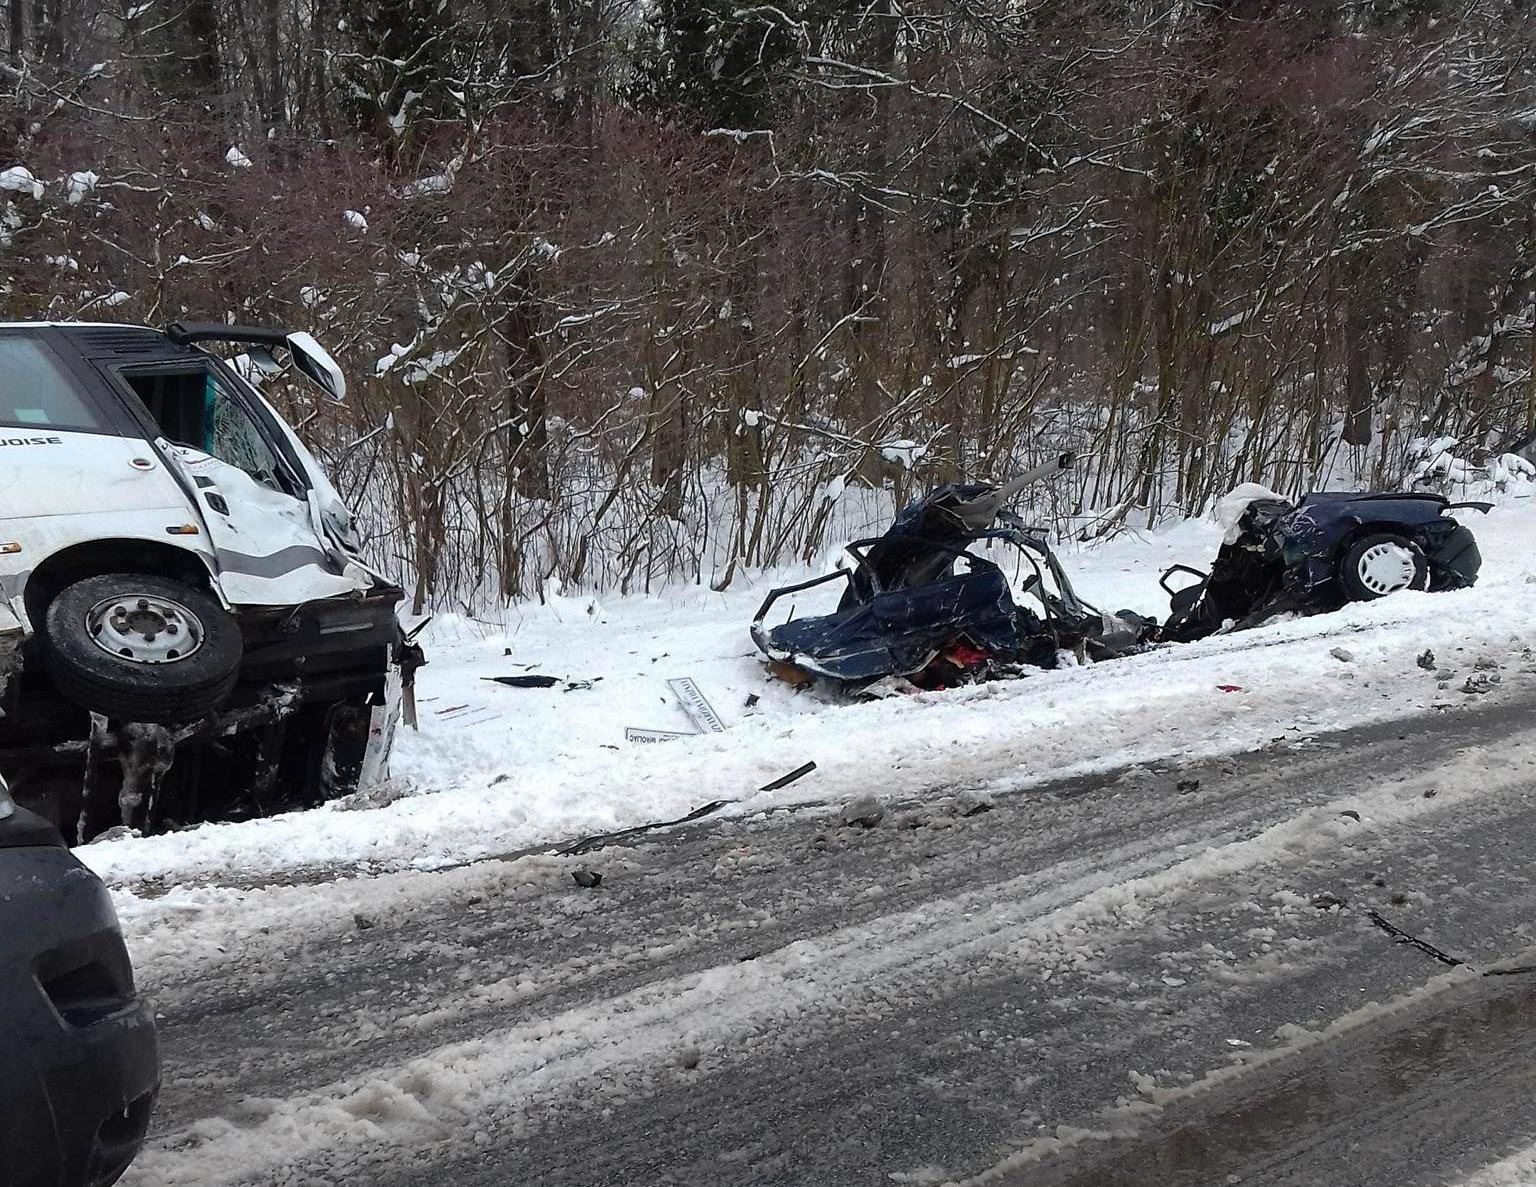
<point>1386,568</point>
<point>144,628</point>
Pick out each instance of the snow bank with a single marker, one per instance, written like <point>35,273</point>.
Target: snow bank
<point>497,769</point>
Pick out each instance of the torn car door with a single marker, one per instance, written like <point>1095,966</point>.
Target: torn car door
<point>259,516</point>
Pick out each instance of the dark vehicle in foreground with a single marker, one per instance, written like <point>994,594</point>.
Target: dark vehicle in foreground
<point>1316,555</point>
<point>79,1064</point>
<point>920,605</point>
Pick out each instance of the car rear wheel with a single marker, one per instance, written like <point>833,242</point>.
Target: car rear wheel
<point>137,647</point>
<point>1381,564</point>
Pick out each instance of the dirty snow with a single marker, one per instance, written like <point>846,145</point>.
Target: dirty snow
<point>519,1073</point>
<point>1518,1170</point>
<point>495,769</point>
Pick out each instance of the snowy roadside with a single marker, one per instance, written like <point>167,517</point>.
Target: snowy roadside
<point>487,1019</point>
<point>498,769</point>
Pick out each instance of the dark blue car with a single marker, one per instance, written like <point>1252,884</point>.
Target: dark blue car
<point>1315,555</point>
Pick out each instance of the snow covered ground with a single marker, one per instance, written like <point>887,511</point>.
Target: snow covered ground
<point>785,1000</point>
<point>497,770</point>
<point>336,1007</point>
<point>1518,1170</point>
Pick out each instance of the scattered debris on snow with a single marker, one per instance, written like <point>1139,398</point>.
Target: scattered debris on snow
<point>794,776</point>
<point>524,681</point>
<point>864,812</point>
<point>463,790</point>
<point>694,703</point>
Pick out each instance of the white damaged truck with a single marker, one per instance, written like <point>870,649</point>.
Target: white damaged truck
<point>188,629</point>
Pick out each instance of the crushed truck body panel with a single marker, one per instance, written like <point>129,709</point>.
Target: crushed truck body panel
<point>11,638</point>
<point>1313,556</point>
<point>919,604</point>
<point>192,631</point>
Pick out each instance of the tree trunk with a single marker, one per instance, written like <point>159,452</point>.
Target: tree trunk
<point>525,402</point>
<point>203,64</point>
<point>276,115</point>
<point>1357,368</point>
<point>744,442</point>
<point>53,33</point>
<point>669,450</point>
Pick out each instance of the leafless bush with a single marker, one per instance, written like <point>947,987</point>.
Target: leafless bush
<point>597,341</point>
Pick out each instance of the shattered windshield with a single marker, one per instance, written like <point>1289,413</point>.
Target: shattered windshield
<point>234,437</point>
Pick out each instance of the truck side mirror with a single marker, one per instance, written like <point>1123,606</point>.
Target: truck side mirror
<point>317,365</point>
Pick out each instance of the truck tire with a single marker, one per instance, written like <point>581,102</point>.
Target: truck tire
<point>1382,563</point>
<point>137,647</point>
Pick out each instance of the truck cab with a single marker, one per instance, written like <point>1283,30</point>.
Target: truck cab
<point>186,580</point>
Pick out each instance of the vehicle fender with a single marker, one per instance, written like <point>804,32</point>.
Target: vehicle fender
<point>68,1060</point>
<point>1318,535</point>
<point>265,543</point>
<point>1322,567</point>
<point>43,539</point>
<point>1311,558</point>
<point>32,1155</point>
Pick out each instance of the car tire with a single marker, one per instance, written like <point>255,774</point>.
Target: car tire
<point>1382,563</point>
<point>138,647</point>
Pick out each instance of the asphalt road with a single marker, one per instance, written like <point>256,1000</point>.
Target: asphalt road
<point>1161,976</point>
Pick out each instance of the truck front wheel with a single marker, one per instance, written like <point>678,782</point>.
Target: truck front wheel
<point>138,647</point>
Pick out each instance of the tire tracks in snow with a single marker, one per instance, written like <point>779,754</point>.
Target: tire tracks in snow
<point>1117,901</point>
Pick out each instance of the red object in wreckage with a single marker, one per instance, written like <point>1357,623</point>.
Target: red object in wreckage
<point>963,655</point>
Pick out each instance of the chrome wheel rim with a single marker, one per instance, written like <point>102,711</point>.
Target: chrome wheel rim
<point>144,628</point>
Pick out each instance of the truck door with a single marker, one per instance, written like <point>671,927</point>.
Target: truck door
<point>256,507</point>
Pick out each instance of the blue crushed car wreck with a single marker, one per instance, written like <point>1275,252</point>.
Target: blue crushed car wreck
<point>1316,555</point>
<point>920,607</point>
